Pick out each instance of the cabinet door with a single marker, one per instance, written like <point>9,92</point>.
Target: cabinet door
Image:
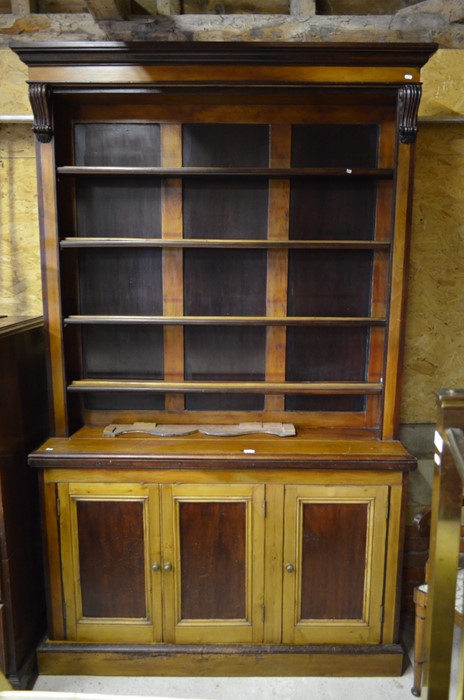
<point>334,553</point>
<point>213,558</point>
<point>109,542</point>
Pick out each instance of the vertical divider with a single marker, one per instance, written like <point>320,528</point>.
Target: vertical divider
<point>380,271</point>
<point>400,260</point>
<point>277,264</point>
<point>48,217</point>
<point>173,279</point>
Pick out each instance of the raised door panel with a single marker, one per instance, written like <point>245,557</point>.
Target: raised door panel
<point>334,554</point>
<point>109,540</point>
<point>213,563</point>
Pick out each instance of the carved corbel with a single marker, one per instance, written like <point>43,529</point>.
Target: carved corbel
<point>39,95</point>
<point>408,106</point>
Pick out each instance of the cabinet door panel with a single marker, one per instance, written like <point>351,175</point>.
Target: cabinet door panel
<point>213,539</point>
<point>108,544</point>
<point>334,554</point>
<point>111,558</point>
<point>333,560</point>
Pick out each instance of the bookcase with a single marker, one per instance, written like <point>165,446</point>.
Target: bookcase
<point>225,239</point>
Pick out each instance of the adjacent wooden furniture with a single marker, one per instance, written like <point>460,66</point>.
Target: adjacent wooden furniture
<point>442,522</point>
<point>225,238</point>
<point>439,603</point>
<point>23,426</point>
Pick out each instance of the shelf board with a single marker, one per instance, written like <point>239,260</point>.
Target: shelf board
<point>144,385</point>
<point>225,172</point>
<point>225,320</point>
<point>113,242</point>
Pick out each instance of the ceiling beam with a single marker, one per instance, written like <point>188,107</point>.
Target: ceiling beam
<point>303,8</point>
<point>108,9</point>
<point>23,7</point>
<point>160,7</point>
<point>381,28</point>
<point>450,10</point>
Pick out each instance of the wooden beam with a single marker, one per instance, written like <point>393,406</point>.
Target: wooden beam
<point>380,28</point>
<point>108,9</point>
<point>303,8</point>
<point>450,10</point>
<point>23,7</point>
<point>169,7</point>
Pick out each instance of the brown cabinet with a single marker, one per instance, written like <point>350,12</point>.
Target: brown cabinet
<point>23,425</point>
<point>225,237</point>
<point>243,559</point>
<point>189,561</point>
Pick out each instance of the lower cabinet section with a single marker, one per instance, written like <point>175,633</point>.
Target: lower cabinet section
<point>236,563</point>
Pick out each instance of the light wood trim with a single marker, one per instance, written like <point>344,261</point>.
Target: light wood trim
<point>182,631</point>
<point>251,387</point>
<point>277,261</point>
<point>366,630</point>
<point>256,558</point>
<point>291,546</point>
<point>249,75</point>
<point>173,277</point>
<point>68,539</point>
<point>378,511</point>
<point>233,476</point>
<point>154,546</point>
<point>5,685</point>
<point>103,631</point>
<point>169,555</point>
<point>398,290</point>
<point>393,563</point>
<point>56,623</point>
<point>273,564</point>
<point>51,284</point>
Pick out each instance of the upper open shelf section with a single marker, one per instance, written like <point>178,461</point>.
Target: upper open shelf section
<point>225,229</point>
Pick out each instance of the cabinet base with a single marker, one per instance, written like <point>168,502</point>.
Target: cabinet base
<point>64,658</point>
<point>25,677</point>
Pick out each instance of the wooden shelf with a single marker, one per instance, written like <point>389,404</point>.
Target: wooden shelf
<point>107,242</point>
<point>239,386</point>
<point>224,320</point>
<point>226,172</point>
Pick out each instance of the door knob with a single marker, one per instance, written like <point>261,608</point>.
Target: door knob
<point>156,566</point>
<point>167,567</point>
<point>290,568</point>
